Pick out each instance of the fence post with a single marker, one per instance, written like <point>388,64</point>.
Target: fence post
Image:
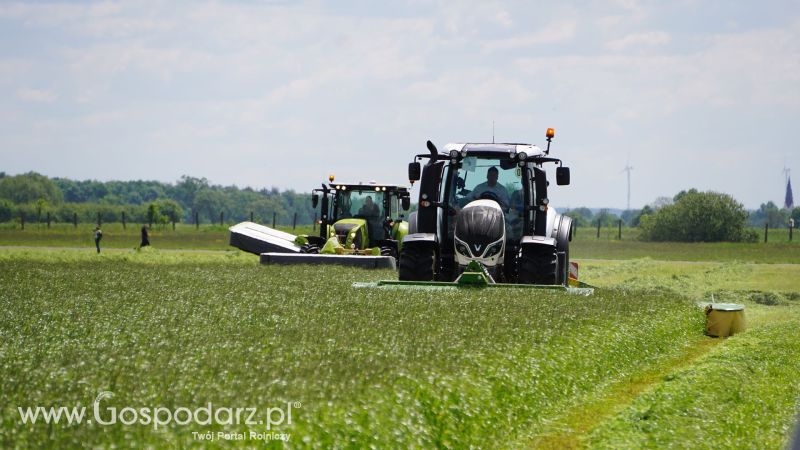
<point>75,219</point>
<point>620,230</point>
<point>790,233</point>
<point>273,219</point>
<point>123,220</point>
<point>251,216</point>
<point>221,217</point>
<point>766,231</point>
<point>48,219</point>
<point>196,220</point>
<point>173,220</point>
<point>294,221</point>
<point>22,219</point>
<point>598,228</point>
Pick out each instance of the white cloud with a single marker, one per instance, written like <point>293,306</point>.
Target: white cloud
<point>650,38</point>
<point>36,95</point>
<point>553,33</point>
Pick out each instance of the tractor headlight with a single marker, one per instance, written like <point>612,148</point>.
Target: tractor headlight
<point>453,154</point>
<point>522,156</point>
<point>462,248</point>
<point>493,249</point>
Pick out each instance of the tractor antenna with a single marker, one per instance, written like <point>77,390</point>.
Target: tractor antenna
<point>493,132</point>
<point>628,169</point>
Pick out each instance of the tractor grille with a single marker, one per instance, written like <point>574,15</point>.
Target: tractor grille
<point>342,230</point>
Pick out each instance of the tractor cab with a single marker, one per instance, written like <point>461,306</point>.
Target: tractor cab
<point>487,203</point>
<point>360,217</point>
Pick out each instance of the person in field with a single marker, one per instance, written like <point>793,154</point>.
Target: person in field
<point>98,234</point>
<point>145,237</point>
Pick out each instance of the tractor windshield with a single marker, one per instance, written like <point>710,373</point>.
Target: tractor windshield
<point>493,179</point>
<point>364,204</point>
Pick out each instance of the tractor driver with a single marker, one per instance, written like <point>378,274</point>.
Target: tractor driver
<point>490,185</point>
<point>369,209</point>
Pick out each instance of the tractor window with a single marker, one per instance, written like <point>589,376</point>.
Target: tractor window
<point>394,207</point>
<point>367,204</point>
<point>492,179</point>
<point>486,178</point>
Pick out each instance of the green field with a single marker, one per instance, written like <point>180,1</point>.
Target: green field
<point>628,367</point>
<point>585,246</point>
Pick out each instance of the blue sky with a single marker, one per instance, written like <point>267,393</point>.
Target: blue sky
<point>693,94</point>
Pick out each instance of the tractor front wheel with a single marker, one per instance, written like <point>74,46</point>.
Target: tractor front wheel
<point>417,263</point>
<point>389,251</point>
<point>538,266</point>
<point>309,248</point>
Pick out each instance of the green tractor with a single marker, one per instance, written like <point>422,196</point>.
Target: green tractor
<point>359,219</point>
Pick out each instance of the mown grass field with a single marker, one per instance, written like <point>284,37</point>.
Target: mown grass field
<point>626,368</point>
<point>585,246</point>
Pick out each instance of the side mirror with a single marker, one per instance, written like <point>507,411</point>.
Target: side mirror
<point>405,202</point>
<point>314,200</point>
<point>414,171</point>
<point>562,176</point>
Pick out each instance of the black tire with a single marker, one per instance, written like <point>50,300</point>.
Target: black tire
<point>389,251</point>
<point>538,266</point>
<point>417,263</point>
<point>309,248</point>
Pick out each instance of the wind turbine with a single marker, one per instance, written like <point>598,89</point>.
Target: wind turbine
<point>628,169</point>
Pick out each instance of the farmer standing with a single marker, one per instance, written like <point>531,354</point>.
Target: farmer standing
<point>145,240</point>
<point>98,234</point>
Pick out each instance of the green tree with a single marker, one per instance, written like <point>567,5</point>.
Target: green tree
<point>153,214</point>
<point>170,210</point>
<point>769,213</point>
<point>698,217</point>
<point>30,187</point>
<point>582,217</point>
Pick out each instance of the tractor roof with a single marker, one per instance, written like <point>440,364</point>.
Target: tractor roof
<point>500,148</point>
<point>371,186</point>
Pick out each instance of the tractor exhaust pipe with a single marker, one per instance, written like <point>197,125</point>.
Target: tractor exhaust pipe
<point>433,150</point>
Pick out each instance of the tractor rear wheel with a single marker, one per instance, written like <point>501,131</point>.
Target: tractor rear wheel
<point>417,263</point>
<point>538,266</point>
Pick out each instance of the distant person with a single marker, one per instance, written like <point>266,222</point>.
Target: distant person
<point>369,208</point>
<point>98,234</point>
<point>145,237</point>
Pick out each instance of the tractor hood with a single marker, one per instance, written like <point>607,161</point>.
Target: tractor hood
<point>480,224</point>
<point>351,231</point>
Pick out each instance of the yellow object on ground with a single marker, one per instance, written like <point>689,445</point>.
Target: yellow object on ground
<point>724,319</point>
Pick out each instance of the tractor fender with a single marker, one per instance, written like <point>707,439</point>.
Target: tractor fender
<point>412,223</point>
<point>562,232</point>
<point>421,239</point>
<point>531,241</point>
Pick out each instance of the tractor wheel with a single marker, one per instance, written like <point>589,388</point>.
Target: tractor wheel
<point>417,263</point>
<point>538,266</point>
<point>389,251</point>
<point>309,248</point>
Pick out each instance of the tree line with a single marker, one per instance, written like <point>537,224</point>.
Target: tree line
<point>36,196</point>
<point>688,216</point>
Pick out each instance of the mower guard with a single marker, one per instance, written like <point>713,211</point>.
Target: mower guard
<point>476,277</point>
<point>254,238</point>
<point>364,261</point>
